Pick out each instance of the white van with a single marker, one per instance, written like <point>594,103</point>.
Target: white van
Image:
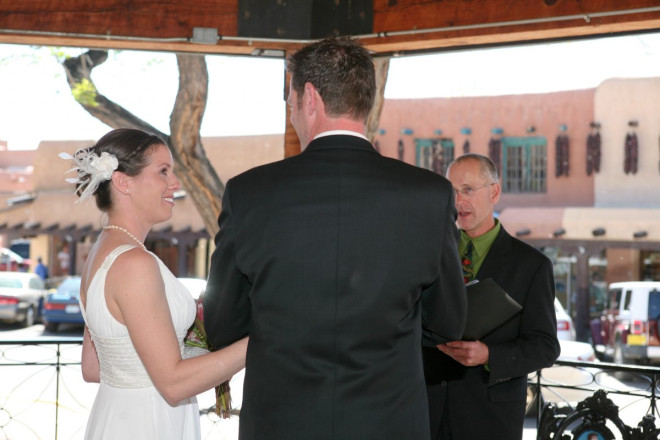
<point>629,327</point>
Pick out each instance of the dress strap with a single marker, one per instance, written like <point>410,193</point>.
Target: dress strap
<point>114,254</point>
<point>99,276</point>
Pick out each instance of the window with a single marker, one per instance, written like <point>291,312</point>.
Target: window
<point>524,164</point>
<point>654,306</point>
<point>626,301</point>
<point>615,299</point>
<point>36,283</point>
<point>434,154</point>
<point>10,283</point>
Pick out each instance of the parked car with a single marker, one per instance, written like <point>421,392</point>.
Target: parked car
<point>196,286</point>
<point>576,351</point>
<point>629,328</point>
<point>61,305</point>
<point>565,327</point>
<point>22,295</point>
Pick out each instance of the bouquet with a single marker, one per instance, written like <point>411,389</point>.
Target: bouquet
<point>196,338</point>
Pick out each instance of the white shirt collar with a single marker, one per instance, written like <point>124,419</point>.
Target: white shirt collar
<point>344,132</point>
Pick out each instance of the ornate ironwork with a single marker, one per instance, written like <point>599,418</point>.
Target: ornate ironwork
<point>43,394</point>
<point>597,416</point>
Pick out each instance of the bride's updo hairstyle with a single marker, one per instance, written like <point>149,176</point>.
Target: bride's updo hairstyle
<point>123,149</point>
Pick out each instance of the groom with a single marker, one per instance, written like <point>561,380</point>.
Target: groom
<point>338,263</point>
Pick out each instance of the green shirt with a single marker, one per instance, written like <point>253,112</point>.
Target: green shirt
<point>481,245</point>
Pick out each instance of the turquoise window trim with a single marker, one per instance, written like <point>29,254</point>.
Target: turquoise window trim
<point>425,146</point>
<point>420,145</point>
<point>533,179</point>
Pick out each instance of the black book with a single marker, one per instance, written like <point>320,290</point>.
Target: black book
<point>489,307</point>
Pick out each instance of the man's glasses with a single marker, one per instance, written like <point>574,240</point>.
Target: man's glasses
<point>468,191</point>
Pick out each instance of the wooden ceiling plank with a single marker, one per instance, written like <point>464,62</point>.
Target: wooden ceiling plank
<point>399,26</point>
<point>401,15</point>
<point>138,18</point>
<point>404,44</point>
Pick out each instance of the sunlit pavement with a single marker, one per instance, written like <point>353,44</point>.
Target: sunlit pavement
<point>529,428</point>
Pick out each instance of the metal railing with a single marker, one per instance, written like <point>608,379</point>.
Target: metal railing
<point>43,395</point>
<point>577,397</point>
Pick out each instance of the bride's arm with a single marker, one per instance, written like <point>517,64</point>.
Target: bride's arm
<point>135,295</point>
<point>90,360</point>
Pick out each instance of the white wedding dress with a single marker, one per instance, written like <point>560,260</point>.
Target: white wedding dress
<point>127,405</point>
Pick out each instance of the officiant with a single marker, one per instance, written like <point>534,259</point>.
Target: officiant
<point>478,388</point>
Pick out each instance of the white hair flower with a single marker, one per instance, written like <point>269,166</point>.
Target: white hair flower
<point>105,165</point>
<point>92,169</point>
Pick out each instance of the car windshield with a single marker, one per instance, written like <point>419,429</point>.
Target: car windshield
<point>10,283</point>
<point>69,288</point>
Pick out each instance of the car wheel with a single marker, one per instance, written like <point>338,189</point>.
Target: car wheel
<point>28,321</point>
<point>41,310</point>
<point>52,327</point>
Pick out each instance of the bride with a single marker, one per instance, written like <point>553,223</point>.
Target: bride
<point>136,312</point>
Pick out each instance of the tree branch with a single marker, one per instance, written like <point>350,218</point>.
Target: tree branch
<point>185,123</point>
<point>78,71</point>
<point>382,65</point>
<point>197,175</point>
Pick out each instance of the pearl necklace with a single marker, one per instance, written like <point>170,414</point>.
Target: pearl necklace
<point>119,228</point>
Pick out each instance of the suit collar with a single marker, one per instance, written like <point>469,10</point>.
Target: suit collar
<point>496,255</point>
<point>340,141</point>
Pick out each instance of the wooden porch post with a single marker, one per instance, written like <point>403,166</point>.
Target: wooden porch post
<point>582,306</point>
<point>291,141</point>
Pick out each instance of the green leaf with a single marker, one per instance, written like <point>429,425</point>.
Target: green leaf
<point>85,93</point>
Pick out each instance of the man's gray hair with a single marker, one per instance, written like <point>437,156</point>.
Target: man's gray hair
<point>488,168</point>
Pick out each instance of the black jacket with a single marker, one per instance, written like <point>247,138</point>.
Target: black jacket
<point>331,261</point>
<point>478,402</point>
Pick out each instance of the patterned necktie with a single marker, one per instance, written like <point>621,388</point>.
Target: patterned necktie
<point>468,264</point>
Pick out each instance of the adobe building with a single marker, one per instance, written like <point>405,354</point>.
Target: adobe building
<point>592,205</point>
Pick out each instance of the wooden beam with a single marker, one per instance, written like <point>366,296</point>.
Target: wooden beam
<point>407,45</point>
<point>413,25</point>
<point>400,26</point>
<point>128,24</point>
<point>407,15</point>
<point>117,18</point>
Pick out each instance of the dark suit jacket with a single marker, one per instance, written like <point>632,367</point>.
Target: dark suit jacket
<point>331,261</point>
<point>479,403</point>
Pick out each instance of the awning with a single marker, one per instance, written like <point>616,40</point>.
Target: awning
<point>577,223</point>
<point>56,211</point>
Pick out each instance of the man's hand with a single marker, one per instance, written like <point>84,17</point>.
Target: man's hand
<point>468,353</point>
